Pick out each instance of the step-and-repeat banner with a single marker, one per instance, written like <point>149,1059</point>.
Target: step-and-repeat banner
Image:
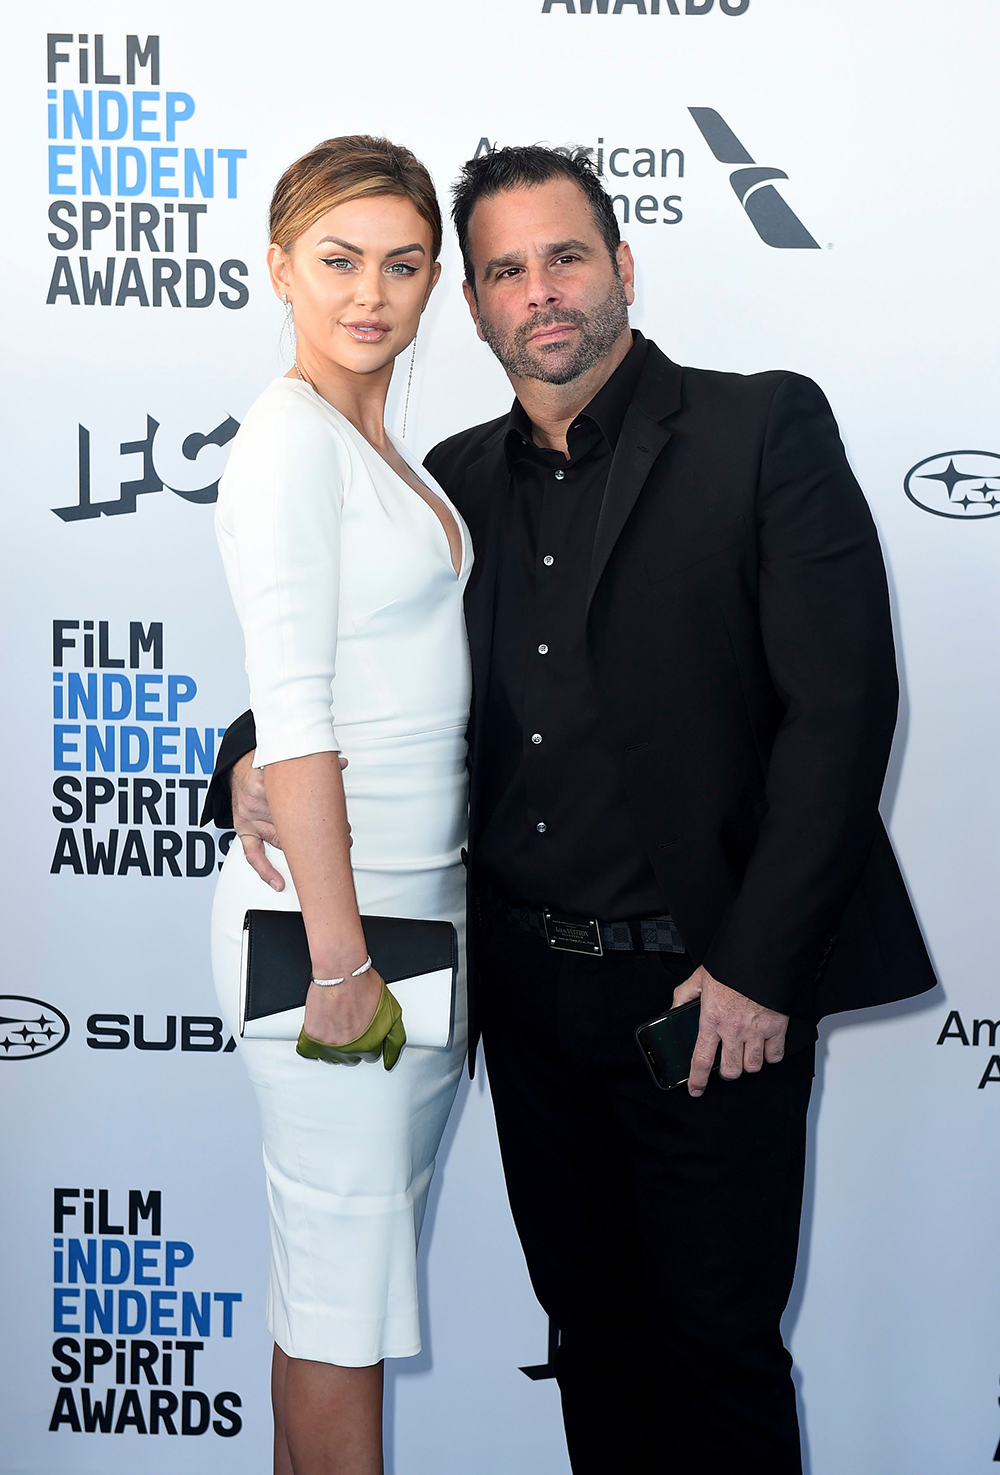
<point>804,186</point>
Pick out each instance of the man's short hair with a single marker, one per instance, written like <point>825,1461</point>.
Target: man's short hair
<point>514,168</point>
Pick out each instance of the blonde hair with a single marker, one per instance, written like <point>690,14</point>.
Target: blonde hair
<point>349,168</point>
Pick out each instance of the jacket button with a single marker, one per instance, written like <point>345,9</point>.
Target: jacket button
<point>548,560</point>
<point>541,827</point>
<point>560,476</point>
<point>536,738</point>
<point>543,649</point>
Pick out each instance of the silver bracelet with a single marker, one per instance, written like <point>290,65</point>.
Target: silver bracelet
<point>329,982</point>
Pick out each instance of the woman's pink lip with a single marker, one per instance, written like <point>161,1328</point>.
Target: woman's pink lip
<point>367,332</point>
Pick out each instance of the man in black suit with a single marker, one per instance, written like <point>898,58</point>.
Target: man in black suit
<point>684,699</point>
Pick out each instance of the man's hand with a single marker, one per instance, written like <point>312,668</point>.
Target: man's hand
<point>252,818</point>
<point>750,1034</point>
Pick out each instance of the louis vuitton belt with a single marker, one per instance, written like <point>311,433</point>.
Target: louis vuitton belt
<point>589,935</point>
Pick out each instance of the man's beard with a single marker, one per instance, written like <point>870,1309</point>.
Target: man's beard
<point>599,330</point>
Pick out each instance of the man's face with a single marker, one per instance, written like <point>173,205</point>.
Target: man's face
<point>549,299</point>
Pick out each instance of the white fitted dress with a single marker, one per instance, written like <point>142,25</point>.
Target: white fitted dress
<point>355,643</point>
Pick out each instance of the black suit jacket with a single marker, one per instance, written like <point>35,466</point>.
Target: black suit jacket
<point>741,651</point>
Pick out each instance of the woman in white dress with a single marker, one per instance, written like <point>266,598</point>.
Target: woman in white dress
<point>347,565</point>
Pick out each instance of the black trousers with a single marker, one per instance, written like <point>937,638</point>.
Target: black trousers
<point>660,1231</point>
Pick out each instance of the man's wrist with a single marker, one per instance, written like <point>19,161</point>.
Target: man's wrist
<point>245,758</point>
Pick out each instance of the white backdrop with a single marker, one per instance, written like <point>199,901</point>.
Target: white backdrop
<point>883,119</point>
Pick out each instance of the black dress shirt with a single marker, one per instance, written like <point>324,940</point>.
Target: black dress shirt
<point>557,830</point>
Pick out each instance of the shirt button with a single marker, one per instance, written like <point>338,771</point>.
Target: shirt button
<point>560,476</point>
<point>548,560</point>
<point>543,650</point>
<point>536,738</point>
<point>541,827</point>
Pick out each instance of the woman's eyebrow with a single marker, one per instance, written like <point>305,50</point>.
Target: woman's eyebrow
<point>358,251</point>
<point>336,241</point>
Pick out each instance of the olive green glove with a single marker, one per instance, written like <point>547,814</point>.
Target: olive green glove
<point>385,1036</point>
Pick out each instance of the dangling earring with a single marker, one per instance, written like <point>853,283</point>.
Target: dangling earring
<point>409,382</point>
<point>289,324</point>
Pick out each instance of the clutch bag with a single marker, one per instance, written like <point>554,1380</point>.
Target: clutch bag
<point>417,959</point>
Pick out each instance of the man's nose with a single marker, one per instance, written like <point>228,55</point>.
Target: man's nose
<point>543,290</point>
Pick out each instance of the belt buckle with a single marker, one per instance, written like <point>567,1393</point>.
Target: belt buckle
<point>573,934</point>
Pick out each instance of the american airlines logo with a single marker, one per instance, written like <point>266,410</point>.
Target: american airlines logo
<point>771,217</point>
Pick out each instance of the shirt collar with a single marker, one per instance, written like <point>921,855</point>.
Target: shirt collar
<point>608,408</point>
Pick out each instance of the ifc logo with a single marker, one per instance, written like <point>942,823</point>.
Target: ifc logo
<point>29,1027</point>
<point>961,484</point>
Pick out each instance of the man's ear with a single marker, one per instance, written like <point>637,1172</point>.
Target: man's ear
<point>626,270</point>
<point>470,298</point>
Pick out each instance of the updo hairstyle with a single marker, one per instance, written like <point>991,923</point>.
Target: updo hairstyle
<point>349,168</point>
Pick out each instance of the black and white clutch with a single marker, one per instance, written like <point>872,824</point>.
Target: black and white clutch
<point>417,959</point>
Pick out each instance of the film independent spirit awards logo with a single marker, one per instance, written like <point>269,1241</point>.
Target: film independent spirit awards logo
<point>29,1027</point>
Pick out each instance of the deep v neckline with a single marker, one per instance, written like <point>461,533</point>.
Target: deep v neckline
<point>459,525</point>
<point>429,505</point>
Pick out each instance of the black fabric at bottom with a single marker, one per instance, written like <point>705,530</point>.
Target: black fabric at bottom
<point>660,1231</point>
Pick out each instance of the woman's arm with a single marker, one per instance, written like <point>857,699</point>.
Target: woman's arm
<point>279,521</point>
<point>306,796</point>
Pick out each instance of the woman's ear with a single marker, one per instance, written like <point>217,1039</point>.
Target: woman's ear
<point>435,278</point>
<point>278,269</point>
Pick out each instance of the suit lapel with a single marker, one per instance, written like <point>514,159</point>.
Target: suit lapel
<point>642,438</point>
<point>485,488</point>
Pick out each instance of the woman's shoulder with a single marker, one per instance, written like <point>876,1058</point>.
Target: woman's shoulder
<point>291,406</point>
<point>288,430</point>
<point>286,437</point>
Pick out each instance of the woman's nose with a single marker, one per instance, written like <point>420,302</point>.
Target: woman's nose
<point>368,292</point>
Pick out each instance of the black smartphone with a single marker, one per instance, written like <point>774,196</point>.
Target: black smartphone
<point>667,1044</point>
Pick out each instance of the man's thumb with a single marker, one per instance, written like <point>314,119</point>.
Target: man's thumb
<point>254,851</point>
<point>685,992</point>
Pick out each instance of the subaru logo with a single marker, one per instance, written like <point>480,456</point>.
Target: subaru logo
<point>962,484</point>
<point>30,1027</point>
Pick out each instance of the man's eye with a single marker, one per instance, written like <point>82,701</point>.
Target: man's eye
<point>566,258</point>
<point>508,271</point>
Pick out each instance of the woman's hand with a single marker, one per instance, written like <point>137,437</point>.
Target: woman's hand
<point>341,1012</point>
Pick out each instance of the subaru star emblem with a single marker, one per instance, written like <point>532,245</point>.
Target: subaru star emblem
<point>961,484</point>
<point>30,1027</point>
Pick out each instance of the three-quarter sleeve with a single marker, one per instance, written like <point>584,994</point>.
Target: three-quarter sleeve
<point>279,527</point>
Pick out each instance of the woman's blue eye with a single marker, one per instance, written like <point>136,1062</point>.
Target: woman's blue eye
<point>344,263</point>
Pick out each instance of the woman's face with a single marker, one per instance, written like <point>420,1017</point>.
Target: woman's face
<point>358,280</point>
